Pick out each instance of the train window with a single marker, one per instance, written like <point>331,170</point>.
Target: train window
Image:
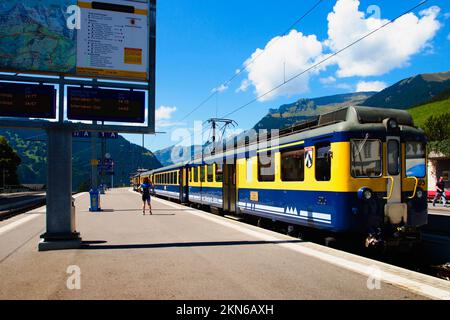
<point>202,173</point>
<point>266,166</point>
<point>293,165</point>
<point>366,158</point>
<point>210,173</point>
<point>393,151</point>
<point>249,170</point>
<point>195,174</point>
<point>219,172</point>
<point>323,162</point>
<point>175,177</point>
<point>416,159</point>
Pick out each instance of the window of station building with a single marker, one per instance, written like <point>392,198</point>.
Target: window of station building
<point>219,172</point>
<point>366,158</point>
<point>416,159</point>
<point>202,173</point>
<point>293,165</point>
<point>323,161</point>
<point>210,173</point>
<point>266,166</point>
<point>393,155</point>
<point>249,167</point>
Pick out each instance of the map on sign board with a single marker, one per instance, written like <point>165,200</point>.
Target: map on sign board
<point>111,42</point>
<point>34,36</point>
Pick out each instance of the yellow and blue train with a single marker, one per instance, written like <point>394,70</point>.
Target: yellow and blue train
<point>355,170</point>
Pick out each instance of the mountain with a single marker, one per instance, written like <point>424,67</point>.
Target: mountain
<point>411,92</point>
<point>32,147</point>
<point>166,158</point>
<point>289,114</point>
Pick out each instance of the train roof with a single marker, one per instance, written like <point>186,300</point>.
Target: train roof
<point>347,119</point>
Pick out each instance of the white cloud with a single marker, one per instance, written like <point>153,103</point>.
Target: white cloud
<point>164,113</point>
<point>385,50</point>
<point>327,80</point>
<point>220,89</point>
<point>244,86</point>
<point>365,86</point>
<point>281,59</point>
<point>448,37</point>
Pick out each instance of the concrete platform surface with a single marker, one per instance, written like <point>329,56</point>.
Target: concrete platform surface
<point>182,253</point>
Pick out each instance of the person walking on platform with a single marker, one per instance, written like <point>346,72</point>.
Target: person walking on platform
<point>440,192</point>
<point>146,197</point>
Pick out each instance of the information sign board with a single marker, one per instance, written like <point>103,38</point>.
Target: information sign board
<point>105,105</point>
<point>27,100</point>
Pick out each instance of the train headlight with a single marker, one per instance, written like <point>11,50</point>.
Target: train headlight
<point>419,194</point>
<point>365,194</point>
<point>392,124</point>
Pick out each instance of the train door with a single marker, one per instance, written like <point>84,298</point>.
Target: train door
<point>184,185</point>
<point>395,211</point>
<point>229,188</point>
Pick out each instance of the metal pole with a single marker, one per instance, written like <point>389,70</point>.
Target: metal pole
<point>94,182</point>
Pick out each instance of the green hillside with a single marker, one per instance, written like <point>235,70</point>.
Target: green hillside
<point>423,112</point>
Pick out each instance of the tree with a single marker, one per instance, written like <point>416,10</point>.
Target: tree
<point>9,161</point>
<point>437,129</point>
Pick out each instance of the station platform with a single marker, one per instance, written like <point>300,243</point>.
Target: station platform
<point>182,253</point>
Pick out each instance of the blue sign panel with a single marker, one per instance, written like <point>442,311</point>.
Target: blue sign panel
<point>105,105</point>
<point>27,101</point>
<point>106,167</point>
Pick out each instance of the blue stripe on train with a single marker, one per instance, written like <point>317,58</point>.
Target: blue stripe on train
<point>168,191</point>
<point>323,210</point>
<point>206,195</point>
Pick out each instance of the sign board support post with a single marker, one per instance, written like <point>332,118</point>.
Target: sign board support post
<point>94,182</point>
<point>60,217</point>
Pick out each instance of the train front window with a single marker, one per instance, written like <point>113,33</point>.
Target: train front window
<point>323,162</point>
<point>293,165</point>
<point>415,159</point>
<point>366,158</point>
<point>393,154</point>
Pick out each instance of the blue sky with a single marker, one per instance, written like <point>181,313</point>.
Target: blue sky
<point>201,44</point>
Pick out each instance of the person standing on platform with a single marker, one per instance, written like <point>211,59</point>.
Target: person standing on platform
<point>146,197</point>
<point>440,192</point>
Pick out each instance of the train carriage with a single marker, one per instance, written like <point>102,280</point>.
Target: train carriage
<point>356,170</point>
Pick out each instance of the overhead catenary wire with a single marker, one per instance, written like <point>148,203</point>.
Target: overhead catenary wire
<point>324,60</point>
<point>247,65</point>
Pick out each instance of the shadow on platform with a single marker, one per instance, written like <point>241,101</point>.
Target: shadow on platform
<point>92,245</point>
